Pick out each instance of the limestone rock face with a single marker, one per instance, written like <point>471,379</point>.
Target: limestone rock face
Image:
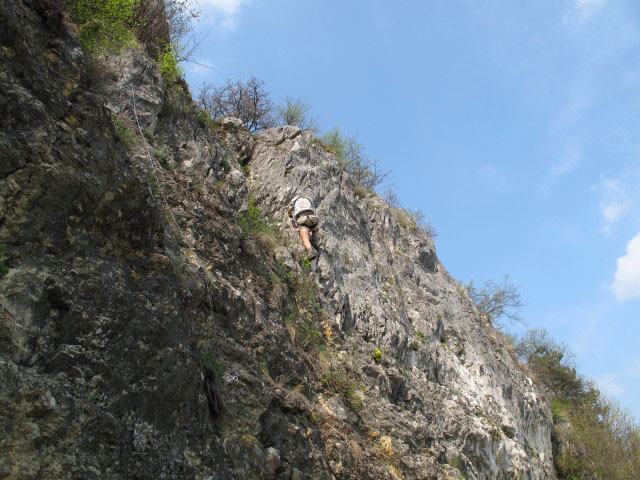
<point>445,385</point>
<point>149,331</point>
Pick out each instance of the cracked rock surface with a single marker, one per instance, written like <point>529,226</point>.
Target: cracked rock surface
<point>145,334</point>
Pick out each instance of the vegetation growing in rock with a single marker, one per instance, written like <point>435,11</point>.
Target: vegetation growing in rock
<point>124,132</point>
<point>364,171</point>
<point>339,381</point>
<point>167,63</point>
<point>255,224</point>
<point>103,25</point>
<point>497,299</point>
<point>593,436</point>
<point>249,101</point>
<point>407,218</point>
<point>296,112</point>
<point>377,355</point>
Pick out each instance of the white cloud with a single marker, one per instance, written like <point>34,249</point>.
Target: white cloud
<point>626,282</point>
<point>610,384</point>
<point>613,210</point>
<point>617,197</point>
<point>223,12</point>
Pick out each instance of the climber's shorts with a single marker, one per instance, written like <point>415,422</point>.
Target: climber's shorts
<point>309,221</point>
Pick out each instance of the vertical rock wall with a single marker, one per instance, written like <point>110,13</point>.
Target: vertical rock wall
<point>146,335</point>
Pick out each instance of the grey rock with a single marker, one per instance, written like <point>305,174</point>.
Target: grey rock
<point>132,292</point>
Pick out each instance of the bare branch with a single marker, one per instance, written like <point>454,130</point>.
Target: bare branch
<point>496,300</point>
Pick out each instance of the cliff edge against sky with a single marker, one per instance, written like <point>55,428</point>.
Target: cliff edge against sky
<point>155,324</point>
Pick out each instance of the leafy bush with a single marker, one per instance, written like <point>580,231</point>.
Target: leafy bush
<point>252,220</point>
<point>407,218</point>
<point>167,63</point>
<point>295,112</point>
<point>364,171</point>
<point>377,355</point>
<point>338,381</point>
<point>103,25</point>
<point>124,132</point>
<point>593,436</point>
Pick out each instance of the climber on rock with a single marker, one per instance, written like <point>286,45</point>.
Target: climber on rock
<point>304,218</point>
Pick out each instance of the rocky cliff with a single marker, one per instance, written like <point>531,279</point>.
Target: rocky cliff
<point>155,325</point>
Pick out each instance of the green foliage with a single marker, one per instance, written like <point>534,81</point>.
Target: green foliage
<point>103,25</point>
<point>551,364</point>
<point>210,361</point>
<point>295,112</point>
<point>3,268</point>
<point>309,336</point>
<point>415,346</point>
<point>407,218</point>
<point>253,220</point>
<point>204,119</point>
<point>377,355</point>
<point>339,382</point>
<point>124,132</point>
<point>364,171</point>
<point>167,63</point>
<point>595,438</point>
<point>161,153</point>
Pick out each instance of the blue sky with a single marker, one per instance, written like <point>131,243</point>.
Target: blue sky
<point>514,125</point>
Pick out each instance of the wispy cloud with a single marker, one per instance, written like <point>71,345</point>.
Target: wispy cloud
<point>610,384</point>
<point>617,197</point>
<point>567,163</point>
<point>626,282</point>
<point>564,164</point>
<point>585,9</point>
<point>223,12</point>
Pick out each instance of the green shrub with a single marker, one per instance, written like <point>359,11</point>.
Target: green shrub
<point>161,153</point>
<point>377,355</point>
<point>124,132</point>
<point>103,25</point>
<point>253,221</point>
<point>338,381</point>
<point>209,360</point>
<point>167,63</point>
<point>364,171</point>
<point>295,112</point>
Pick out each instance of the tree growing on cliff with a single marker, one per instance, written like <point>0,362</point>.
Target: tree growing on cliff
<point>350,152</point>
<point>296,112</point>
<point>248,101</point>
<point>497,299</point>
<point>593,436</point>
